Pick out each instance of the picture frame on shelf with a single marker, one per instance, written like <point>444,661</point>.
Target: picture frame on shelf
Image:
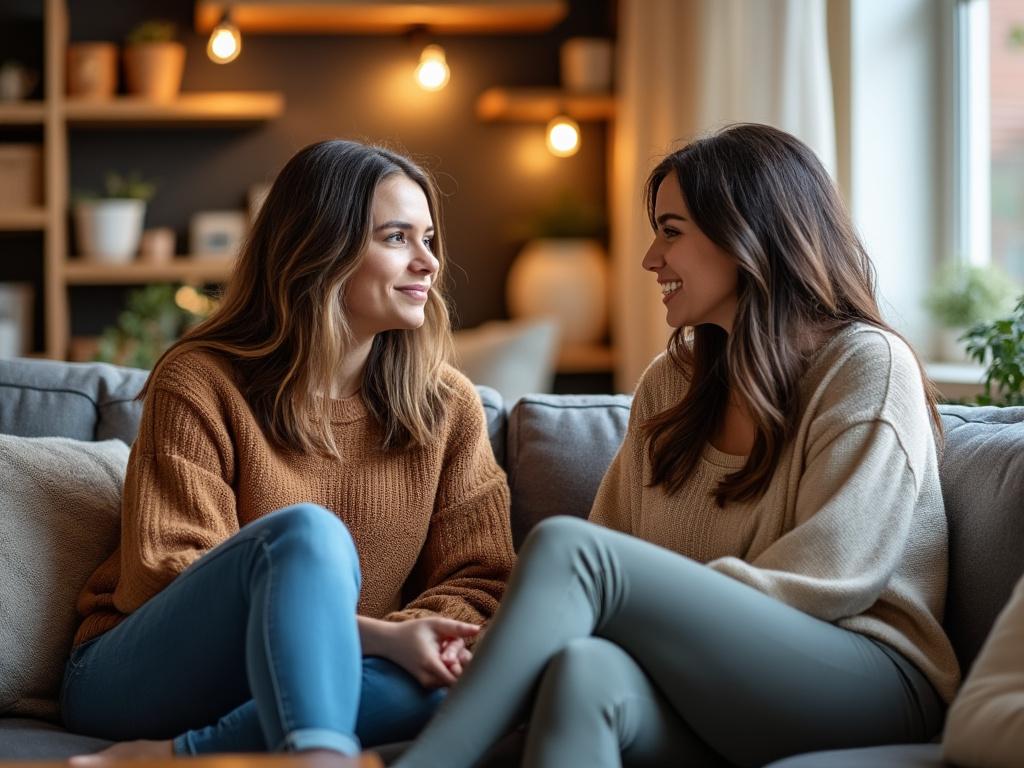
<point>217,234</point>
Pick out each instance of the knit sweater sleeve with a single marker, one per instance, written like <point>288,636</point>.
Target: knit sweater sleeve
<point>468,554</point>
<point>854,509</point>
<point>620,494</point>
<point>178,502</point>
<point>985,725</point>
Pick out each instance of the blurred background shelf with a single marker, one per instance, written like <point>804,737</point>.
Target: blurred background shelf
<point>542,104</point>
<point>24,113</point>
<point>585,358</point>
<point>228,108</point>
<point>25,220</point>
<point>182,269</point>
<point>381,16</point>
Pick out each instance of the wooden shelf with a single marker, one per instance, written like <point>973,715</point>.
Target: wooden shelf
<point>23,113</point>
<point>25,220</point>
<point>542,104</point>
<point>182,269</point>
<point>226,108</point>
<point>381,16</point>
<point>585,358</point>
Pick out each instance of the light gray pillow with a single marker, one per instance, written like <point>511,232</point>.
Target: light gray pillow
<point>60,505</point>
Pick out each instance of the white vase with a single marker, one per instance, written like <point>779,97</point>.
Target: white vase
<point>108,231</point>
<point>565,279</point>
<point>950,350</point>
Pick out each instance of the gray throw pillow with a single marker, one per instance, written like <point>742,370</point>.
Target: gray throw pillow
<point>60,505</point>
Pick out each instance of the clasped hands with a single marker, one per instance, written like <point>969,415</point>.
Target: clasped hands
<point>432,649</point>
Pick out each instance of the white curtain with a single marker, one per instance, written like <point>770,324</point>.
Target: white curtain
<point>686,67</point>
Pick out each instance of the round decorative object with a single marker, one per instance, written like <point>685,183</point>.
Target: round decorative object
<point>108,231</point>
<point>92,70</point>
<point>153,70</point>
<point>565,279</point>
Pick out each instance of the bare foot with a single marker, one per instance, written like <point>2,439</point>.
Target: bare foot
<point>126,750</point>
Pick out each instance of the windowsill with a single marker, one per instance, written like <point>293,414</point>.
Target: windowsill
<point>956,381</point>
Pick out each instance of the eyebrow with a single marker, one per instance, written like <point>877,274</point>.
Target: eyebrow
<point>668,216</point>
<point>395,224</point>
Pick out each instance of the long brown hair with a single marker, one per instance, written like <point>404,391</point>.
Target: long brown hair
<point>282,322</point>
<point>763,197</point>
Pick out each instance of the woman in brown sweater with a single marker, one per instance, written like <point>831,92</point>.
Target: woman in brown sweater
<point>313,523</point>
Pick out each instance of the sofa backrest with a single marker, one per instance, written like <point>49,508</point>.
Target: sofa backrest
<point>84,401</point>
<point>556,449</point>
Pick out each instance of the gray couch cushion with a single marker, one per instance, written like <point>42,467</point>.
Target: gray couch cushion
<point>983,487</point>
<point>494,410</point>
<point>85,401</point>
<point>896,756</point>
<point>22,739</point>
<point>558,450</point>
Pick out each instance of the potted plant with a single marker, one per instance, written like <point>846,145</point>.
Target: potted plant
<point>155,317</point>
<point>108,228</point>
<point>562,271</point>
<point>1000,343</point>
<point>963,296</point>
<point>154,61</point>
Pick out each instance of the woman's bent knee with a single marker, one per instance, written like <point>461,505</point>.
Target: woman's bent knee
<point>560,532</point>
<point>312,532</point>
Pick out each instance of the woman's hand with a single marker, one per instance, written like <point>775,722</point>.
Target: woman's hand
<point>432,650</point>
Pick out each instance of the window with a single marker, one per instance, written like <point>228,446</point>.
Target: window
<point>990,133</point>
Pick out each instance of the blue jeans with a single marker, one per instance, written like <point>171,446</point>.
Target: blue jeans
<point>253,648</point>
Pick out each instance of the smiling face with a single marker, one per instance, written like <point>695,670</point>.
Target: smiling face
<point>389,289</point>
<point>698,279</point>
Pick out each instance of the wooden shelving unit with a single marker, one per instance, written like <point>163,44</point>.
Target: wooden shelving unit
<point>181,269</point>
<point>542,104</point>
<point>585,358</point>
<point>226,108</point>
<point>56,115</point>
<point>24,113</point>
<point>26,220</point>
<point>381,16</point>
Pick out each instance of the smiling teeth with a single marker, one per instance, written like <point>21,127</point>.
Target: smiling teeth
<point>667,288</point>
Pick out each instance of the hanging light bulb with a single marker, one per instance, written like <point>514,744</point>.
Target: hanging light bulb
<point>563,136</point>
<point>432,73</point>
<point>225,41</point>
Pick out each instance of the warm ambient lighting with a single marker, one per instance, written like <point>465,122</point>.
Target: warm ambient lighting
<point>191,300</point>
<point>432,73</point>
<point>563,137</point>
<point>225,42</point>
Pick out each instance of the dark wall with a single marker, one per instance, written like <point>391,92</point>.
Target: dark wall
<point>360,87</point>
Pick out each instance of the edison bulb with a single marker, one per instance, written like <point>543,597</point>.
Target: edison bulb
<point>563,137</point>
<point>432,73</point>
<point>225,43</point>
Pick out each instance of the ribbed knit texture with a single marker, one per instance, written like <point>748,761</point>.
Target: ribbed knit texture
<point>431,524</point>
<point>852,528</point>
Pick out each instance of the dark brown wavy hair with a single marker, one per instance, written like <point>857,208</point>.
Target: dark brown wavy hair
<point>763,197</point>
<point>282,322</point>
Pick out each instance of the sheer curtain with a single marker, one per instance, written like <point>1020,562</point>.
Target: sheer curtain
<point>686,67</point>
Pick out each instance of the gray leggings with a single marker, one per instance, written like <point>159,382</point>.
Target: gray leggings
<point>632,654</point>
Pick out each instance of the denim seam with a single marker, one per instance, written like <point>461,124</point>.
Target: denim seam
<point>284,716</point>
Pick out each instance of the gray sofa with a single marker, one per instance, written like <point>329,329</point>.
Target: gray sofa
<point>555,450</point>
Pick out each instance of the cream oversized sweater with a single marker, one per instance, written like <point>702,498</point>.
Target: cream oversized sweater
<point>431,524</point>
<point>851,529</point>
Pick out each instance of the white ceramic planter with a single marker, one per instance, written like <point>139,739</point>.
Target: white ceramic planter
<point>565,279</point>
<point>108,231</point>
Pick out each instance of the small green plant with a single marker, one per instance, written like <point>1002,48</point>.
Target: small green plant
<point>119,187</point>
<point>152,321</point>
<point>153,31</point>
<point>965,295</point>
<point>1000,345</point>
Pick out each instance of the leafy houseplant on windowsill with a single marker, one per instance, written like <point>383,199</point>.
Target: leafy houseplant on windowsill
<point>963,296</point>
<point>1001,342</point>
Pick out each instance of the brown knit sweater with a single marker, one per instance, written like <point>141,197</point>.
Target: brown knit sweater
<point>431,523</point>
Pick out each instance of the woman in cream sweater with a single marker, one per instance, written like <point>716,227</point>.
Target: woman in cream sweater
<point>764,569</point>
<point>313,523</point>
